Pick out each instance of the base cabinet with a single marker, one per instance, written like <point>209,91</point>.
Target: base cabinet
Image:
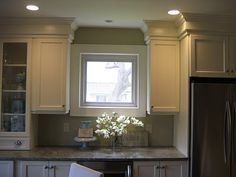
<point>43,168</point>
<point>160,169</point>
<point>6,168</point>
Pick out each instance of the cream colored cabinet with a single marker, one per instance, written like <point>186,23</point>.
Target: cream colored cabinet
<point>209,56</point>
<point>232,56</point>
<point>15,63</point>
<point>160,168</point>
<point>43,168</point>
<point>6,168</point>
<point>50,75</point>
<point>163,79</point>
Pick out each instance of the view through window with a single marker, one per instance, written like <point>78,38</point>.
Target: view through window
<point>109,80</point>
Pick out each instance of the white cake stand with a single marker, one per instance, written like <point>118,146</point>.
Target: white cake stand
<point>84,141</point>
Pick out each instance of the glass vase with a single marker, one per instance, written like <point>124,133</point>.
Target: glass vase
<point>114,140</point>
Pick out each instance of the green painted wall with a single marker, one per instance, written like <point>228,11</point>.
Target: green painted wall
<point>115,36</point>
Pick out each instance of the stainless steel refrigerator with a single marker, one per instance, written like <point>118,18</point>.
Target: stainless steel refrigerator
<point>213,123</point>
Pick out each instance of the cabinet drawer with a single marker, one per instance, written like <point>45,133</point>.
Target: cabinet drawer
<point>14,143</point>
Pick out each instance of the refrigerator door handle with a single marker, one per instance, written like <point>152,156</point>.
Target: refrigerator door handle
<point>225,130</point>
<point>233,132</point>
<point>229,132</point>
<point>226,136</point>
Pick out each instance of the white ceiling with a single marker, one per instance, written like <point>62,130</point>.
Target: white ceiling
<point>124,13</point>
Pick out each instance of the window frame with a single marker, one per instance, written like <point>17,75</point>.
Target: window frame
<point>108,57</point>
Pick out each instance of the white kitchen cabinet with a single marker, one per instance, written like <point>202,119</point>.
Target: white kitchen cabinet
<point>232,56</point>
<point>6,168</point>
<point>209,56</point>
<point>43,168</point>
<point>50,71</point>
<point>15,63</point>
<point>163,75</point>
<point>160,168</point>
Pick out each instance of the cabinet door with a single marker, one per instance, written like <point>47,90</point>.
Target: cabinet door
<point>33,169</point>
<point>209,56</point>
<point>146,169</point>
<point>6,168</point>
<point>59,169</point>
<point>164,76</point>
<point>173,169</point>
<point>15,58</point>
<point>49,76</point>
<point>232,56</point>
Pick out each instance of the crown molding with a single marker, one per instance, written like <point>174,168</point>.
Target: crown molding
<point>209,23</point>
<point>35,20</point>
<point>156,28</point>
<point>38,26</point>
<point>212,18</point>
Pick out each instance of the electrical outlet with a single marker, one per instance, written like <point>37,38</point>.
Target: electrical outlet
<point>66,127</point>
<point>148,127</point>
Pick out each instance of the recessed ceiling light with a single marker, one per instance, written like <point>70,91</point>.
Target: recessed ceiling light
<point>32,7</point>
<point>173,12</point>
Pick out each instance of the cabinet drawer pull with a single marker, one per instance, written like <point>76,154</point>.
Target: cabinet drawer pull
<point>18,143</point>
<point>52,167</point>
<point>163,167</point>
<point>46,167</point>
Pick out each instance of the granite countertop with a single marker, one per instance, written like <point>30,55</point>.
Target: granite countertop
<point>96,154</point>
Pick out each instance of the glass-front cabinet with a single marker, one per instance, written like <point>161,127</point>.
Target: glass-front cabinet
<point>14,93</point>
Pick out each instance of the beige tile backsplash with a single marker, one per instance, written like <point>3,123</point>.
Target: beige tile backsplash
<point>158,129</point>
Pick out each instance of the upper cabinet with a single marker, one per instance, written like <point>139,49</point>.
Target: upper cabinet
<point>163,76</point>
<point>212,56</point>
<point>49,52</point>
<point>15,93</point>
<point>50,75</point>
<point>209,56</point>
<point>232,56</point>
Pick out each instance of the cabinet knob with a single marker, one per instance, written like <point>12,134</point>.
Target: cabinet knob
<point>52,167</point>
<point>163,167</point>
<point>157,167</point>
<point>46,167</point>
<point>18,143</point>
<point>63,105</point>
<point>232,70</point>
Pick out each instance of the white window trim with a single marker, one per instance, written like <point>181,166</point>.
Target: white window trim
<point>134,58</point>
<point>77,49</point>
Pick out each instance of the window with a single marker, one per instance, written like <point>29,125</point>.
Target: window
<point>132,100</point>
<point>108,80</point>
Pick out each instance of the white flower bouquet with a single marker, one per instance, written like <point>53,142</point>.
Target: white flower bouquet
<point>115,125</point>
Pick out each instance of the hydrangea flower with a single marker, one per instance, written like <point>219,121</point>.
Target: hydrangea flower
<point>115,125</point>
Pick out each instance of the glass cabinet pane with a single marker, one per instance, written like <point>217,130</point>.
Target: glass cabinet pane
<point>13,100</point>
<point>14,53</point>
<point>13,78</point>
